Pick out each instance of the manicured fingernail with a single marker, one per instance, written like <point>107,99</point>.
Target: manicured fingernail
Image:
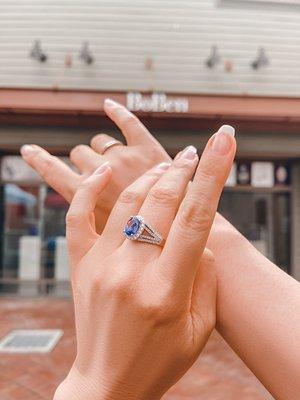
<point>189,153</point>
<point>163,166</point>
<point>110,103</point>
<point>222,142</point>
<point>227,129</point>
<point>100,170</point>
<point>26,150</point>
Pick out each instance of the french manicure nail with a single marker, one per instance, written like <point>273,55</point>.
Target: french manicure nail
<point>27,149</point>
<point>222,142</point>
<point>163,166</point>
<point>227,129</point>
<point>100,170</point>
<point>110,103</point>
<point>189,153</point>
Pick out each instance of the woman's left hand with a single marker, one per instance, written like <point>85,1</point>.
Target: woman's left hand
<point>144,312</point>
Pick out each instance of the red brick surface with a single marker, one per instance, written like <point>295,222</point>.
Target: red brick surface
<point>217,375</point>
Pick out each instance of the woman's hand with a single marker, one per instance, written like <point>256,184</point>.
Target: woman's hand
<point>144,312</point>
<point>128,162</point>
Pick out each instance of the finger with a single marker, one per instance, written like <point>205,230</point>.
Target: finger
<point>191,227</point>
<point>129,203</point>
<point>53,170</point>
<point>85,158</point>
<point>103,143</point>
<point>204,296</point>
<point>131,127</point>
<point>161,204</point>
<point>80,219</point>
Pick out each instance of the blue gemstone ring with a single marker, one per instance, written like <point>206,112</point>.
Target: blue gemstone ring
<point>137,229</point>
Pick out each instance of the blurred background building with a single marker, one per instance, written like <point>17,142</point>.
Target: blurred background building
<point>185,67</point>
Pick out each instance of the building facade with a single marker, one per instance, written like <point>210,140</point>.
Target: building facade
<point>184,68</point>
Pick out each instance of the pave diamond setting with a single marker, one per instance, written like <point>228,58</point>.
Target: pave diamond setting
<point>137,229</point>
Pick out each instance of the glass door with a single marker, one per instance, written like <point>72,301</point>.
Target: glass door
<point>20,242</point>
<point>264,219</point>
<point>33,251</point>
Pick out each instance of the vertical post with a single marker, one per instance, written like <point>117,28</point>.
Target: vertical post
<point>295,220</point>
<point>2,228</point>
<point>41,233</point>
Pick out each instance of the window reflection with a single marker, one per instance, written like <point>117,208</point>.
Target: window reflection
<point>33,248</point>
<point>264,219</point>
<point>20,240</point>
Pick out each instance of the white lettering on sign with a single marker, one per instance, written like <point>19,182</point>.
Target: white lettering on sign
<point>157,102</point>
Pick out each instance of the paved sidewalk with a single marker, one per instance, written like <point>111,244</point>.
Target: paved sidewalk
<point>218,374</point>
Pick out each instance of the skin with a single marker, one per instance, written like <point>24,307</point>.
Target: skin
<point>257,303</point>
<point>140,307</point>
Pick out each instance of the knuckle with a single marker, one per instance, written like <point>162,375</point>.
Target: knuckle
<point>157,313</point>
<point>183,165</point>
<point>47,165</point>
<point>197,214</point>
<point>164,194</point>
<point>129,196</point>
<point>77,150</point>
<point>130,119</point>
<point>209,177</point>
<point>100,137</point>
<point>118,288</point>
<point>126,158</point>
<point>85,185</point>
<point>155,154</point>
<point>158,309</point>
<point>73,217</point>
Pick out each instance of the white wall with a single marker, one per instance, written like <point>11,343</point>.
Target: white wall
<point>177,34</point>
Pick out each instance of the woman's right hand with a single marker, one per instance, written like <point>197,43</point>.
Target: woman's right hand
<point>144,312</point>
<point>128,162</point>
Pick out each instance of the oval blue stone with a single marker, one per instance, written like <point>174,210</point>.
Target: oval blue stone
<point>132,226</point>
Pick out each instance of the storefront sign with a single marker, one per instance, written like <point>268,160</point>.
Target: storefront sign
<point>157,102</point>
<point>262,174</point>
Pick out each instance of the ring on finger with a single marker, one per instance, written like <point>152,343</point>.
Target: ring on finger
<point>138,229</point>
<point>110,144</point>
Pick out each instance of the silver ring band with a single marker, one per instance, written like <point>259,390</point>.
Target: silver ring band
<point>137,229</point>
<point>110,144</point>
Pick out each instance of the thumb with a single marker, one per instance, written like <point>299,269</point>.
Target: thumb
<point>80,219</point>
<point>204,297</point>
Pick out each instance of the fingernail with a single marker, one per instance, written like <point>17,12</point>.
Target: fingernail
<point>26,150</point>
<point>227,129</point>
<point>110,103</point>
<point>163,166</point>
<point>222,142</point>
<point>189,153</point>
<point>100,170</point>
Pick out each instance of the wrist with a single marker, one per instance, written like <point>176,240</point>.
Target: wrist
<point>79,387</point>
<point>223,232</point>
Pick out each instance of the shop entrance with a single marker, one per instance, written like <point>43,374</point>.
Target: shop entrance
<point>33,256</point>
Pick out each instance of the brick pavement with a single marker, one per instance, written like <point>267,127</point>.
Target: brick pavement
<point>217,375</point>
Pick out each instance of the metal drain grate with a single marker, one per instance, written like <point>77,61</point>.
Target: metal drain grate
<point>30,341</point>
